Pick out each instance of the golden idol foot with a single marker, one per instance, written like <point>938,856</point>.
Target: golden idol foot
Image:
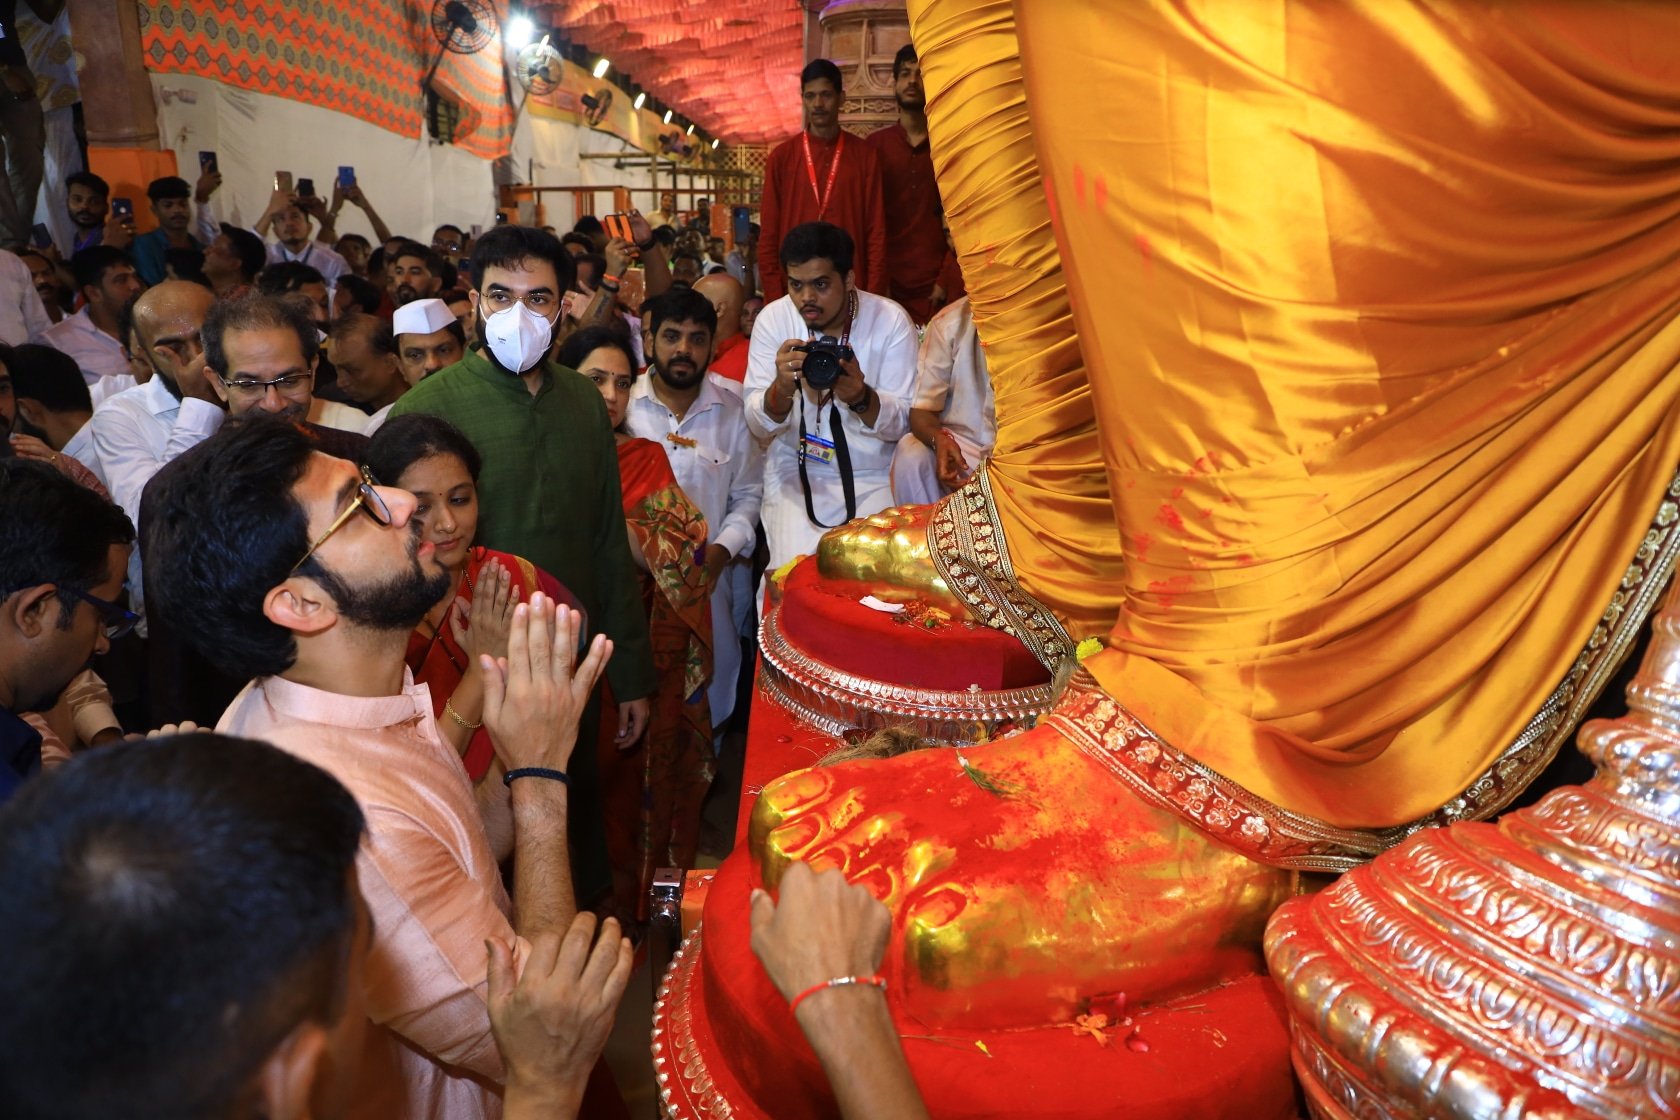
<point>888,553</point>
<point>1025,885</point>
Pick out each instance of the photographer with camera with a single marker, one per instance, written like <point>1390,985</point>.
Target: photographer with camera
<point>829,379</point>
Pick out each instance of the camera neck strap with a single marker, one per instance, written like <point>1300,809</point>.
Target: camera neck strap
<point>837,426</point>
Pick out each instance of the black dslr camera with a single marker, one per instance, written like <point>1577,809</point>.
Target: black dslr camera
<point>821,368</point>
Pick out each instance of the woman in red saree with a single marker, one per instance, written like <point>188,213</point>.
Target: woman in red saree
<point>430,458</point>
<point>667,541</point>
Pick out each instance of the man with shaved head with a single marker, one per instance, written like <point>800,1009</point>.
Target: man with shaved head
<point>729,357</point>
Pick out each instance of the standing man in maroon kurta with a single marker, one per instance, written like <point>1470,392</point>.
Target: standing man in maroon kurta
<point>915,219</point>
<point>823,175</point>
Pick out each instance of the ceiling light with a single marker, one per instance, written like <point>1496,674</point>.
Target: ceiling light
<point>520,32</point>
<point>601,68</point>
<point>667,116</point>
<point>714,145</point>
<point>641,99</point>
<point>691,130</point>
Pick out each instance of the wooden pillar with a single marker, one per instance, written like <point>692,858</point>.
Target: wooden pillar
<point>124,146</point>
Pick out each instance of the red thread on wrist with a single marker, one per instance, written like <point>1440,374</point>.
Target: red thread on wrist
<point>876,981</point>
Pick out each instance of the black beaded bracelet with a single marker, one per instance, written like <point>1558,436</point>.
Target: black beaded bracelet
<point>536,772</point>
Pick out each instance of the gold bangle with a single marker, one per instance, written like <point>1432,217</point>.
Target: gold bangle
<point>449,710</point>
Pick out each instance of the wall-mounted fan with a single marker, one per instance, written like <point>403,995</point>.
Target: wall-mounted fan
<point>464,26</point>
<point>540,68</point>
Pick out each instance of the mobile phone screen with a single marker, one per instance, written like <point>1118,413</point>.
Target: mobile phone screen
<point>306,188</point>
<point>41,236</point>
<point>283,181</point>
<point>207,162</point>
<point>122,208</point>
<point>346,177</point>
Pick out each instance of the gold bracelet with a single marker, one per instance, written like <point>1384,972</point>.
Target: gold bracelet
<point>449,710</point>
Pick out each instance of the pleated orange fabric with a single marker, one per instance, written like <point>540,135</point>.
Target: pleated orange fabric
<point>1378,306</point>
<point>1047,472</point>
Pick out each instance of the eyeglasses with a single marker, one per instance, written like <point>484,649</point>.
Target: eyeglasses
<point>536,301</point>
<point>367,500</point>
<point>118,619</point>
<point>286,386</point>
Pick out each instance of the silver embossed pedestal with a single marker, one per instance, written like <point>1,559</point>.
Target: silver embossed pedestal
<point>1525,968</point>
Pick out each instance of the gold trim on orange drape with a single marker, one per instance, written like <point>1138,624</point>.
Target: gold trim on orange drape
<point>1379,306</point>
<point>1046,475</point>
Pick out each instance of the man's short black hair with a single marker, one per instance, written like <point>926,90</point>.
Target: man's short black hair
<point>820,68</point>
<point>430,257</point>
<point>356,237</point>
<point>249,248</point>
<point>680,305</point>
<point>89,180</point>
<point>590,226</point>
<point>665,235</point>
<point>906,55</point>
<point>459,232</point>
<point>89,266</point>
<point>222,528</point>
<point>511,246</point>
<point>812,240</point>
<point>186,264</point>
<point>285,277</point>
<point>170,186</point>
<point>54,530</point>
<point>688,255</point>
<point>255,312</point>
<point>376,328</point>
<point>580,344</point>
<point>404,440</point>
<point>579,240</point>
<point>50,377</point>
<point>125,326</point>
<point>174,909</point>
<point>364,293</point>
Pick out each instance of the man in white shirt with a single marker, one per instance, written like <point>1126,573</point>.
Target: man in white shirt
<point>52,400</point>
<point>365,355</point>
<point>702,426</point>
<point>953,423</point>
<point>107,281</point>
<point>293,240</point>
<point>815,432</point>
<point>22,317</point>
<point>138,430</point>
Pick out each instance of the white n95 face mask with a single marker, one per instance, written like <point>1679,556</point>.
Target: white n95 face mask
<point>518,337</point>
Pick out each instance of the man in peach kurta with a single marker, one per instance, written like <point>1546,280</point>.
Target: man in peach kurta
<point>305,575</point>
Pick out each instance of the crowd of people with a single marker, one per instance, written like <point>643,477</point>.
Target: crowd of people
<point>456,545</point>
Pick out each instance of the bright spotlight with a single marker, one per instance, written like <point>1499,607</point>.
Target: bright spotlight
<point>667,116</point>
<point>601,68</point>
<point>691,130</point>
<point>641,99</point>
<point>520,32</point>
<point>714,145</point>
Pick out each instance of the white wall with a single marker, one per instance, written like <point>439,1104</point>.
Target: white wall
<point>415,185</point>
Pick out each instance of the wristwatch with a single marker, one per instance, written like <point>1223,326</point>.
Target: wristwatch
<point>862,404</point>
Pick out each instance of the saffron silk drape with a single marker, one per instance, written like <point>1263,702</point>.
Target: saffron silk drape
<point>1377,307</point>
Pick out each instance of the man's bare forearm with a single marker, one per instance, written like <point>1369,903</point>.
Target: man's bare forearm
<point>542,866</point>
<point>858,1046</point>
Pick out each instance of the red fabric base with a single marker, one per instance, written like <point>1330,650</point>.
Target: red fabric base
<point>825,620</point>
<point>1223,1053</point>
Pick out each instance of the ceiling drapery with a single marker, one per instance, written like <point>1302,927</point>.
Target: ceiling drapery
<point>730,66</point>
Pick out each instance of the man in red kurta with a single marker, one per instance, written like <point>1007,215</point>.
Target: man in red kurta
<point>823,175</point>
<point>915,219</point>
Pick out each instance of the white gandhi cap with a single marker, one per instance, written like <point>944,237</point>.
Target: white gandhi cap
<point>421,316</point>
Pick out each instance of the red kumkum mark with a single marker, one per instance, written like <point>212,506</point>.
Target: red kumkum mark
<point>1169,517</point>
<point>1099,191</point>
<point>1079,185</point>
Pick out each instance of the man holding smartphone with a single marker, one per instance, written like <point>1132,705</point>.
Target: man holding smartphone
<point>293,231</point>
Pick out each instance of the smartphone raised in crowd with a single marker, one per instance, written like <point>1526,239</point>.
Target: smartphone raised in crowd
<point>283,181</point>
<point>741,219</point>
<point>306,188</point>
<point>207,163</point>
<point>122,209</point>
<point>40,236</point>
<point>346,177</point>
<point>618,225</point>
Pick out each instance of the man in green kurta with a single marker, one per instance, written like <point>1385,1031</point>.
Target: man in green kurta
<point>549,490</point>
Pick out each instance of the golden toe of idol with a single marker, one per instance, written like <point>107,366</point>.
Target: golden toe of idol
<point>888,552</point>
<point>1024,879</point>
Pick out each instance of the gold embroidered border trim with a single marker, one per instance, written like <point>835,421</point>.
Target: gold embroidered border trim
<point>972,556</point>
<point>1167,777</point>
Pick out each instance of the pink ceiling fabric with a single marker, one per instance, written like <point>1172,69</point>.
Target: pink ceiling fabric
<point>730,66</point>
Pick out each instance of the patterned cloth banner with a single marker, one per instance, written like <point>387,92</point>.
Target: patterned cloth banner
<point>367,60</point>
